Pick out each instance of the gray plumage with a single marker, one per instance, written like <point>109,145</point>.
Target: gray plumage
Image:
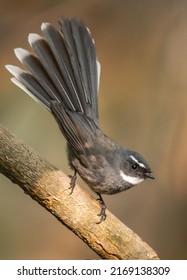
<point>63,75</point>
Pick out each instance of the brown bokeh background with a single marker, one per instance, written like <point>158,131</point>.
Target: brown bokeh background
<point>142,47</point>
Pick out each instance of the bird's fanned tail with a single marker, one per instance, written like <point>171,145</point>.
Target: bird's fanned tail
<point>64,68</point>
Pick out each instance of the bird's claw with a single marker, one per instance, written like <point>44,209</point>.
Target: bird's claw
<point>102,214</point>
<point>73,182</point>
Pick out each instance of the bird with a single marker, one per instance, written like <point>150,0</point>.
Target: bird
<point>62,72</point>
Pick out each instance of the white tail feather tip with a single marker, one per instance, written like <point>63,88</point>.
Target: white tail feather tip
<point>33,37</point>
<point>44,25</point>
<point>14,70</point>
<point>21,53</point>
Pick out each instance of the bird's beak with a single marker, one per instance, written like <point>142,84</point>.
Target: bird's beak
<point>150,175</point>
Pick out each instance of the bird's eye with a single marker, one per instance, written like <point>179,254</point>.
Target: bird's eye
<point>134,166</point>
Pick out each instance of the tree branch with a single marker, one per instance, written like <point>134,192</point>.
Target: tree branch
<point>50,187</point>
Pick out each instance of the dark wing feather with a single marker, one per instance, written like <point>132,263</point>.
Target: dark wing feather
<point>68,126</point>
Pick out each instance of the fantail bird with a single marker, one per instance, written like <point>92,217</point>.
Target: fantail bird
<point>63,75</point>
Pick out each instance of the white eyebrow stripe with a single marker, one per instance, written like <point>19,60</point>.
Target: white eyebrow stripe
<point>130,179</point>
<point>139,163</point>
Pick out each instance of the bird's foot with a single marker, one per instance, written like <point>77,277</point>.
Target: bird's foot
<point>102,214</point>
<point>73,182</point>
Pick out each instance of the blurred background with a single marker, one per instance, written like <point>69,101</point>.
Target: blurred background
<point>142,47</point>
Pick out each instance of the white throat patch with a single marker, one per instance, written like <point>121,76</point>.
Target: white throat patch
<point>130,179</point>
<point>139,163</point>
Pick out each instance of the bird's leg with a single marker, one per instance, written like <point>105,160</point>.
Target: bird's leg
<point>73,181</point>
<point>102,214</point>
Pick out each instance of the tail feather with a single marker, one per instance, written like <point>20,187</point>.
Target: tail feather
<point>58,48</point>
<point>81,50</point>
<point>64,68</point>
<point>34,67</point>
<point>46,58</point>
<point>87,58</point>
<point>30,85</point>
